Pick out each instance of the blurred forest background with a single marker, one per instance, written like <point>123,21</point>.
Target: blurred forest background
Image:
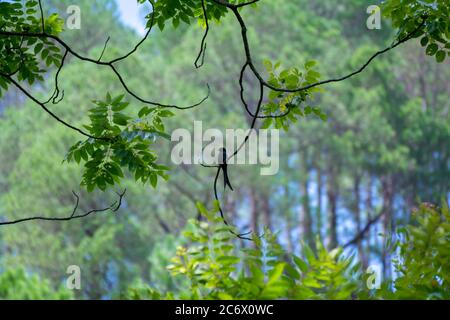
<point>384,148</point>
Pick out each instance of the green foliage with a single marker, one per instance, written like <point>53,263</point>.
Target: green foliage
<point>407,15</point>
<point>123,143</point>
<point>120,142</point>
<point>423,256</point>
<point>16,284</point>
<point>182,11</point>
<point>215,269</point>
<point>283,108</point>
<point>185,11</point>
<point>20,54</point>
<point>374,129</point>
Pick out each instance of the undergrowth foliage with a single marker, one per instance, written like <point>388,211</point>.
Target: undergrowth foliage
<point>17,284</point>
<point>423,256</point>
<point>216,269</point>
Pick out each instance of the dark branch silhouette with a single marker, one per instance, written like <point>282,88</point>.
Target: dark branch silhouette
<point>249,64</point>
<point>43,106</point>
<point>202,52</point>
<point>114,207</point>
<point>263,83</point>
<point>363,231</point>
<point>110,64</point>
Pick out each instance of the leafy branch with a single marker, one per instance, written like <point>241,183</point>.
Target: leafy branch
<point>115,140</point>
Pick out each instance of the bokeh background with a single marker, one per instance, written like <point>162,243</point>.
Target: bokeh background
<point>384,148</point>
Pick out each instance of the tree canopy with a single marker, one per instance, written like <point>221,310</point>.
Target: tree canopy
<point>370,145</point>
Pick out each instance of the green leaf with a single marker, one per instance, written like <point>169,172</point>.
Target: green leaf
<point>143,112</point>
<point>117,99</point>
<point>175,22</point>
<point>267,123</point>
<point>120,106</point>
<point>153,179</point>
<point>300,263</point>
<point>268,65</point>
<point>431,49</point>
<point>440,56</point>
<point>309,254</point>
<point>228,260</point>
<point>276,273</point>
<point>310,64</point>
<point>120,119</point>
<point>424,41</point>
<point>38,47</point>
<point>166,114</point>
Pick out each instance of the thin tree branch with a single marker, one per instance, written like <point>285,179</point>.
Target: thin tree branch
<point>42,16</point>
<point>109,64</point>
<point>202,52</point>
<point>53,115</point>
<point>263,83</point>
<point>104,48</point>
<point>363,231</point>
<point>114,207</point>
<point>55,95</point>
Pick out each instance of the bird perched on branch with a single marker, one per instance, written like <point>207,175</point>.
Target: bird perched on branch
<point>224,167</point>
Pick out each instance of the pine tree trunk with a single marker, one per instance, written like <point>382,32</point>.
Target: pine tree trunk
<point>289,224</point>
<point>253,211</point>
<point>266,212</point>
<point>319,203</point>
<point>357,214</point>
<point>230,206</point>
<point>387,195</point>
<point>372,234</point>
<point>332,195</point>
<point>305,211</point>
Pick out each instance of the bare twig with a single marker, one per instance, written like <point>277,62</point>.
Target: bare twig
<point>53,115</point>
<point>104,49</point>
<point>114,207</point>
<point>363,231</point>
<point>202,52</point>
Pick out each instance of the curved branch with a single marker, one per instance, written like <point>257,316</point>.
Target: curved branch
<point>354,73</point>
<point>42,16</point>
<point>231,6</point>
<point>53,115</point>
<point>55,95</point>
<point>263,83</point>
<point>363,231</point>
<point>114,207</point>
<point>202,52</point>
<point>109,64</point>
<point>364,66</point>
<point>222,215</point>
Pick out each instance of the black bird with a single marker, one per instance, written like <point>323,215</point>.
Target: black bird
<point>224,167</point>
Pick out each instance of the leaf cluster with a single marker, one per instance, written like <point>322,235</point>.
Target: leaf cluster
<point>120,142</point>
<point>284,108</point>
<point>407,15</point>
<point>20,55</point>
